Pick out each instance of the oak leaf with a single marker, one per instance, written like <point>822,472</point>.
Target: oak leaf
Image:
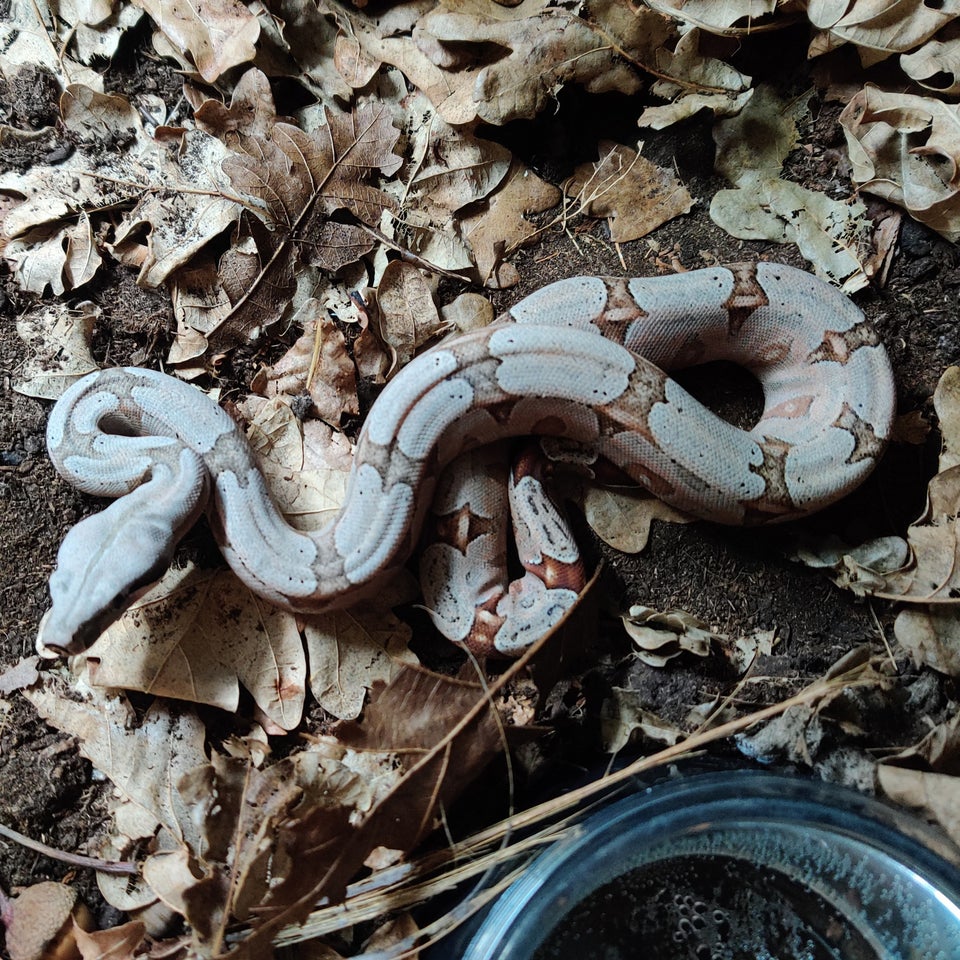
<point>297,180</point>
<point>635,195</point>
<point>408,316</point>
<point>215,34</point>
<point>906,149</point>
<point>317,365</point>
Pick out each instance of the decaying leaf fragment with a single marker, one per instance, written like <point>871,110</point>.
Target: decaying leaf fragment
<point>659,637</point>
<point>296,180</point>
<point>751,148</point>
<point>635,195</point>
<point>905,149</point>
<point>216,34</point>
<point>317,365</point>
<point>60,340</point>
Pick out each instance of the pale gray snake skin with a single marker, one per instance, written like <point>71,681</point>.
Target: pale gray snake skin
<point>583,359</point>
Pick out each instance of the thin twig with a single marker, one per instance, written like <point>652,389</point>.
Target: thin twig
<point>119,867</point>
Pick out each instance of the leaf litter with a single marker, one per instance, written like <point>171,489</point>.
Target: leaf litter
<point>335,221</point>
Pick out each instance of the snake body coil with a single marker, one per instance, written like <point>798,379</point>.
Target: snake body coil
<point>583,359</point>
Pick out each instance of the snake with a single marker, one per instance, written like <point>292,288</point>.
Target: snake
<point>585,361</point>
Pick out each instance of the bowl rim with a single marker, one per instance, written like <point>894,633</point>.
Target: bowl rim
<point>684,803</point>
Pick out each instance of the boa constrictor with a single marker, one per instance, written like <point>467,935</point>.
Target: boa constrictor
<point>582,360</point>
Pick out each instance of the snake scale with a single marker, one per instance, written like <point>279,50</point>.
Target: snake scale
<point>583,359</point>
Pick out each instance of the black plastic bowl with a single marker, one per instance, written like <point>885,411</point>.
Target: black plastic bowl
<point>726,866</point>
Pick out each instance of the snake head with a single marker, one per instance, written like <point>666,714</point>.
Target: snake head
<point>105,563</point>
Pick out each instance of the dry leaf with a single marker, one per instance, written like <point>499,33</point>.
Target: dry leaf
<point>469,311</point>
<point>60,340</point>
<point>623,713</point>
<point>297,180</point>
<point>517,64</point>
<point>634,194</point>
<point>22,674</point>
<point>935,794</point>
<point>408,316</point>
<point>352,650</point>
<point>936,65</point>
<point>500,225</point>
<point>939,750</point>
<point>197,637</point>
<point>122,942</point>
<point>215,34</point>
<point>718,16</point>
<point>833,235</point>
<point>622,518</point>
<point>34,34</point>
<point>659,637</point>
<point>863,569</point>
<point>144,759</point>
<point>905,149</point>
<point>317,365</point>
<point>879,29</point>
<point>306,463</point>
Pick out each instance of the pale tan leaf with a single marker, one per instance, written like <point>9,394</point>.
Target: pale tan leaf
<point>931,635</point>
<point>935,794</point>
<point>34,35</point>
<point>864,569</point>
<point>756,141</point>
<point>622,518</point>
<point>517,63</point>
<point>635,195</point>
<point>461,168</point>
<point>197,637</point>
<point>199,303</point>
<point>215,34</point>
<point>905,149</point>
<point>59,339</point>
<point>879,27</point>
<point>22,674</point>
<point>307,464</point>
<point>408,316</point>
<point>317,365</point>
<point>938,750</point>
<point>688,69</point>
<point>625,713</point>
<point>37,263</point>
<point>298,40</point>
<point>122,942</point>
<point>350,651</point>
<point>832,234</point>
<point>82,257</point>
<point>469,311</point>
<point>659,637</point>
<point>500,224</point>
<point>251,113</point>
<point>144,759</point>
<point>717,15</point>
<point>688,104</point>
<point>936,65</point>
